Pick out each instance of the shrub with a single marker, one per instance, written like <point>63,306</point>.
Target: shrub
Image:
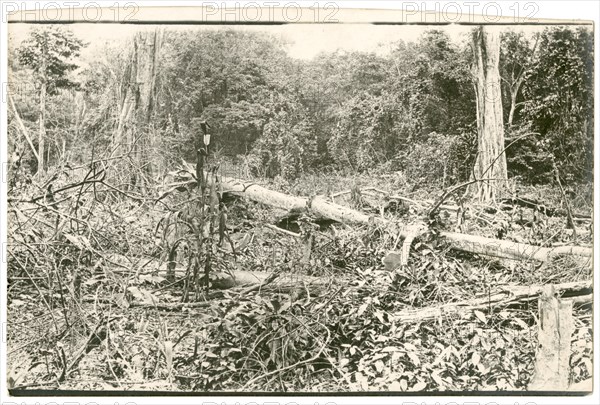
<point>370,131</point>
<point>438,160</point>
<point>286,148</point>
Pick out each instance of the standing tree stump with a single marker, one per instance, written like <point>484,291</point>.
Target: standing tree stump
<point>554,343</point>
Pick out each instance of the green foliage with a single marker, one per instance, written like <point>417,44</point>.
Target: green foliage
<point>560,101</point>
<point>224,76</point>
<point>370,130</point>
<point>427,90</point>
<point>529,157</point>
<point>287,146</point>
<point>48,52</point>
<point>516,56</point>
<point>439,160</point>
<point>352,111</point>
<point>442,90</point>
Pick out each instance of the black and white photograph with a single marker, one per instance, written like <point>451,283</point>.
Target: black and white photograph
<point>328,206</point>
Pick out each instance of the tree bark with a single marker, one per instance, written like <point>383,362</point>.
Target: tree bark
<point>491,159</point>
<point>514,91</point>
<point>515,82</point>
<point>134,129</point>
<point>320,207</point>
<point>499,299</point>
<point>238,278</point>
<point>42,121</point>
<point>22,126</point>
<point>554,343</point>
<point>148,49</point>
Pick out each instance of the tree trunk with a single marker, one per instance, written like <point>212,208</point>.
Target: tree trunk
<point>514,88</point>
<point>22,126</point>
<point>42,114</point>
<point>554,343</point>
<point>320,207</point>
<point>42,130</point>
<point>514,85</point>
<point>514,91</point>
<point>491,159</point>
<point>134,127</point>
<point>148,45</point>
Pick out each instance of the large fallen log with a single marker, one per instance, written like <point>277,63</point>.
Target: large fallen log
<point>468,243</point>
<point>497,300</point>
<point>509,249</point>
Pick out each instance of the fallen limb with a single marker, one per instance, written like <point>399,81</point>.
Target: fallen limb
<point>284,231</point>
<point>468,243</point>
<point>172,306</point>
<point>395,260</point>
<point>65,188</point>
<point>581,300</point>
<point>263,195</point>
<point>239,278</point>
<point>506,296</point>
<point>536,205</point>
<point>272,277</point>
<point>93,340</point>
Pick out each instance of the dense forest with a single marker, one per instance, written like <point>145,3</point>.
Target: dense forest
<point>150,177</point>
<point>412,110</point>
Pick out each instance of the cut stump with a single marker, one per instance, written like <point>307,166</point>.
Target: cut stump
<point>554,343</point>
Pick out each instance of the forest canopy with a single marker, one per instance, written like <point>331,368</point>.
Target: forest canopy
<point>411,109</point>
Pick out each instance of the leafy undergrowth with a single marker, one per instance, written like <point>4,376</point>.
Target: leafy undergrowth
<point>86,289</point>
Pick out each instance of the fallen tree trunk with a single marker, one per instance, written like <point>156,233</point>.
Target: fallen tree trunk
<point>510,250</point>
<point>468,243</point>
<point>506,296</point>
<point>240,278</point>
<point>263,195</point>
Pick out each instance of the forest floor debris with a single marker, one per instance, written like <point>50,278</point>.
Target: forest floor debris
<point>91,305</point>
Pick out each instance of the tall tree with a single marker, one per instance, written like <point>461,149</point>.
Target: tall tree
<point>516,57</point>
<point>490,164</point>
<point>134,133</point>
<point>48,52</point>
